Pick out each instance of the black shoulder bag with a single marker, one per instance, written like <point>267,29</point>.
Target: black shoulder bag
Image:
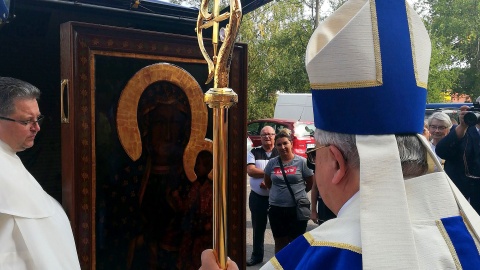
<point>303,204</point>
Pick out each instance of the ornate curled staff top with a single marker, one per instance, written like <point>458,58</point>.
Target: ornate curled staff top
<point>219,66</point>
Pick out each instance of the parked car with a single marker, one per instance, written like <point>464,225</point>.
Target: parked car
<point>449,108</point>
<point>302,132</point>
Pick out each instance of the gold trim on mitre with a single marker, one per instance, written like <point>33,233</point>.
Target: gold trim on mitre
<point>418,59</point>
<point>127,125</point>
<point>331,38</point>
<point>344,85</point>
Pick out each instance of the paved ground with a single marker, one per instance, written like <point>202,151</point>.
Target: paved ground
<point>269,243</point>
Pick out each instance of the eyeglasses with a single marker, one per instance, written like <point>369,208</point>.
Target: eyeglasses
<point>440,128</point>
<point>312,153</point>
<point>267,135</point>
<point>26,122</point>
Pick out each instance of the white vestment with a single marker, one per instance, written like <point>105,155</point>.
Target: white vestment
<point>35,232</point>
<point>430,199</point>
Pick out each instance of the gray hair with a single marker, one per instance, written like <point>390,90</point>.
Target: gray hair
<point>413,154</point>
<point>344,142</point>
<point>13,89</point>
<point>478,99</point>
<point>440,116</point>
<point>267,127</point>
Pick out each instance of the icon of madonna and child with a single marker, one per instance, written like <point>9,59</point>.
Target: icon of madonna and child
<point>158,207</point>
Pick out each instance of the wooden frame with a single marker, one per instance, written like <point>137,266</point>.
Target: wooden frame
<point>86,51</point>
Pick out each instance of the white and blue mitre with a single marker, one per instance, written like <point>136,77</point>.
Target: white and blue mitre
<point>368,68</point>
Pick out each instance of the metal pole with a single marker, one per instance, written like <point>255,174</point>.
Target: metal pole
<point>220,98</point>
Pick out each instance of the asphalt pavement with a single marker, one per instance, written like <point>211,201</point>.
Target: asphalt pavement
<point>269,244</point>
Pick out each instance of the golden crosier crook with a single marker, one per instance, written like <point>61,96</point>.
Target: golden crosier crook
<point>219,67</point>
<point>219,98</point>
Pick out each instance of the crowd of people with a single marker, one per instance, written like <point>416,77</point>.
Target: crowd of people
<point>437,127</point>
<point>457,148</point>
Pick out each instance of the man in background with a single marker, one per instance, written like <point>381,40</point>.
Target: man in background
<point>35,232</point>
<point>257,158</point>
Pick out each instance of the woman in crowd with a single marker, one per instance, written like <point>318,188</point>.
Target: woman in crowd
<point>439,125</point>
<point>282,212</point>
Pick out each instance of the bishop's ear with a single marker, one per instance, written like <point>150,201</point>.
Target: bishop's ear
<point>341,164</point>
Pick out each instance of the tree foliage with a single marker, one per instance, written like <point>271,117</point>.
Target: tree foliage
<point>454,26</point>
<point>278,32</point>
<point>443,75</point>
<point>277,35</point>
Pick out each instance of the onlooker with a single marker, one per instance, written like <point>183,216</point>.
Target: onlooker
<point>282,212</point>
<point>439,124</point>
<point>257,159</point>
<point>461,151</point>
<point>35,232</point>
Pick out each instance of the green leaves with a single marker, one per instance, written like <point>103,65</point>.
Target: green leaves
<point>454,27</point>
<point>277,35</point>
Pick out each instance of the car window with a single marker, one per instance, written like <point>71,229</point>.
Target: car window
<point>449,108</point>
<point>452,112</point>
<point>454,116</point>
<point>254,128</point>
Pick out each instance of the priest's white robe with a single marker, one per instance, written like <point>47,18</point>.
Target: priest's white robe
<point>35,232</point>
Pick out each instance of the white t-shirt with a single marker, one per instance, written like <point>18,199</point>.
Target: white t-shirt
<point>259,157</point>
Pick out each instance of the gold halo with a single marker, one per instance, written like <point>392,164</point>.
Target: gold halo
<point>127,126</point>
